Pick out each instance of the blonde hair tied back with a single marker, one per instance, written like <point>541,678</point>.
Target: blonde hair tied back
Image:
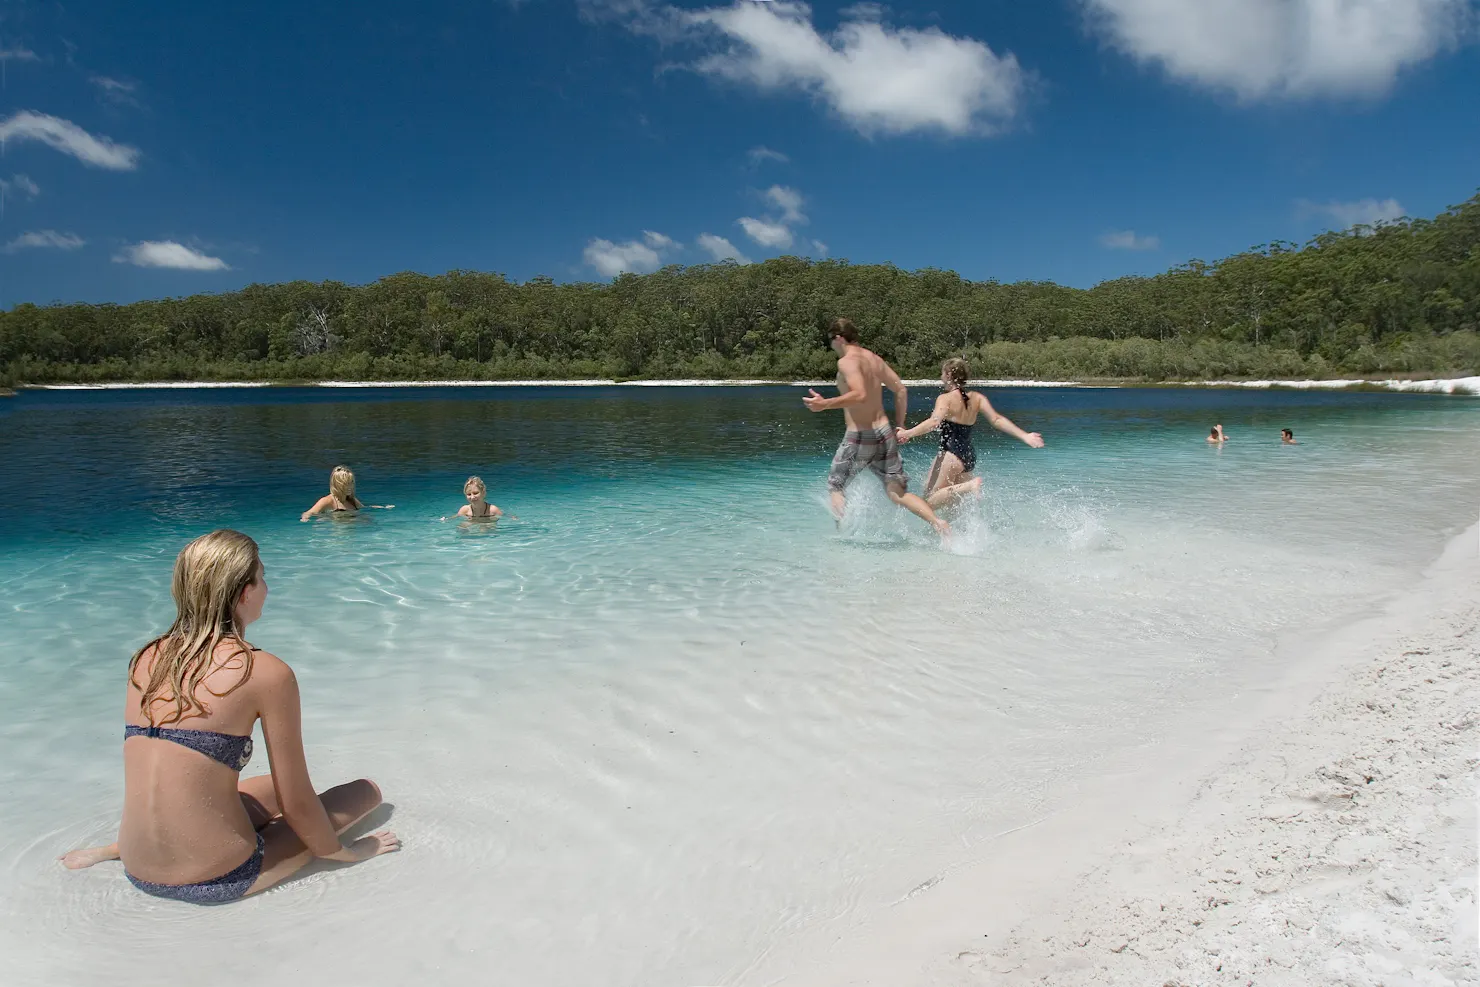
<point>474,483</point>
<point>955,371</point>
<point>210,575</point>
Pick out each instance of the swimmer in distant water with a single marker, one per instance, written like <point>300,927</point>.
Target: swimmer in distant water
<point>193,830</point>
<point>477,506</point>
<point>869,442</point>
<point>955,413</point>
<point>1287,437</point>
<point>1217,435</point>
<point>341,496</point>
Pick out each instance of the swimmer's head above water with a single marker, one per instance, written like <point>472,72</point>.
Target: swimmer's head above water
<point>342,485</point>
<point>1287,436</point>
<point>841,333</point>
<point>954,375</point>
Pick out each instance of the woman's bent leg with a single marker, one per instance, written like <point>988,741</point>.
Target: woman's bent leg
<point>259,798</point>
<point>284,853</point>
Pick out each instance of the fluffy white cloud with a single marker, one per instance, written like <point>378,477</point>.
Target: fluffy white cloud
<point>20,184</point>
<point>1261,49</point>
<point>44,238</point>
<point>1364,212</point>
<point>877,78</point>
<point>67,137</point>
<point>820,247</point>
<point>720,248</point>
<point>1129,240</point>
<point>789,201</point>
<point>168,253</point>
<point>758,155</point>
<point>766,232</point>
<point>634,256</point>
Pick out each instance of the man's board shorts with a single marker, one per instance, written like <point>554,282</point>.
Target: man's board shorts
<point>871,448</point>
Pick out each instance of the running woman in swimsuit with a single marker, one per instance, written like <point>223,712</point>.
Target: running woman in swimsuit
<point>192,830</point>
<point>956,411</point>
<point>869,442</point>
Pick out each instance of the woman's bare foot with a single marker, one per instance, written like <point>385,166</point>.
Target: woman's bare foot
<point>975,483</point>
<point>78,859</point>
<point>944,530</point>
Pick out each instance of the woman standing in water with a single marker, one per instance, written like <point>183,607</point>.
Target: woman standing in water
<point>956,411</point>
<point>341,496</point>
<point>191,829</point>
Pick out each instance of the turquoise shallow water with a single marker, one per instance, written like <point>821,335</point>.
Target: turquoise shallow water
<point>669,720</point>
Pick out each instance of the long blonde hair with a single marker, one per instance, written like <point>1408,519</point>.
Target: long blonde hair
<point>342,486</point>
<point>210,574</point>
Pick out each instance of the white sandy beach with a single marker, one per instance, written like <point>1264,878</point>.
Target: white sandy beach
<point>1330,841</point>
<point>1455,385</point>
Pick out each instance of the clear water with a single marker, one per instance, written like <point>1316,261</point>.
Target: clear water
<point>669,722</point>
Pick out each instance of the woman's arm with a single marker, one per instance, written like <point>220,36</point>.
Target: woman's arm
<point>318,507</point>
<point>1001,423</point>
<point>928,425</point>
<point>282,727</point>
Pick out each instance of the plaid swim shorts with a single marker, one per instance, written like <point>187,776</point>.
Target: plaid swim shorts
<point>875,449</point>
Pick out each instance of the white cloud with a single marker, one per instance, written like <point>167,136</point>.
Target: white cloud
<point>118,91</point>
<point>168,253</point>
<point>820,247</point>
<point>1263,49</point>
<point>18,55</point>
<point>879,79</point>
<point>720,248</point>
<point>789,201</point>
<point>765,232</point>
<point>634,256</point>
<point>1364,212</point>
<point>21,184</point>
<point>44,238</point>
<point>67,137</point>
<point>758,155</point>
<point>1129,240</point>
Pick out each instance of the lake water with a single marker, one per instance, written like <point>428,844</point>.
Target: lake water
<point>670,721</point>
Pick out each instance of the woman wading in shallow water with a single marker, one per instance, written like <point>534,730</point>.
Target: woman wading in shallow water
<point>191,829</point>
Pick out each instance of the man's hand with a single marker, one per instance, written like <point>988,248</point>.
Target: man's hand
<point>814,401</point>
<point>1034,439</point>
<point>900,436</point>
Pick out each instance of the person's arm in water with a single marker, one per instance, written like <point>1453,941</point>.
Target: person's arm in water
<point>320,505</point>
<point>853,377</point>
<point>1001,423</point>
<point>282,728</point>
<point>928,425</point>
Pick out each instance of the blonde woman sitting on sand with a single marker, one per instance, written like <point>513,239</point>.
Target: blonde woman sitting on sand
<point>192,830</point>
<point>341,495</point>
<point>955,413</point>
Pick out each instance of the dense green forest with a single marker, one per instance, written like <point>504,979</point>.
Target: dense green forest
<point>1396,299</point>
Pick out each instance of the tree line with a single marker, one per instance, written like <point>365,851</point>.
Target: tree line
<point>1399,298</point>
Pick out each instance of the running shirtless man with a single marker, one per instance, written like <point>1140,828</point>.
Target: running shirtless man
<point>869,442</point>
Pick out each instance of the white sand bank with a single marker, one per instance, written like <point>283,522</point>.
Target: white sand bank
<point>1331,841</point>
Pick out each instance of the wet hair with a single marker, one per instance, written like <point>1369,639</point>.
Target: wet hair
<point>474,483</point>
<point>211,574</point>
<point>842,327</point>
<point>342,486</point>
<point>1286,431</point>
<point>955,371</point>
<point>1213,432</point>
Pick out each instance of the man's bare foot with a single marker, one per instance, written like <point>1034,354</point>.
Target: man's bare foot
<point>78,859</point>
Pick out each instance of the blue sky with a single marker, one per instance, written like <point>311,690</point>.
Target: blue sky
<point>169,148</point>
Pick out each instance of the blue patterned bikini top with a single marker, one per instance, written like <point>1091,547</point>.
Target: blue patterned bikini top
<point>227,748</point>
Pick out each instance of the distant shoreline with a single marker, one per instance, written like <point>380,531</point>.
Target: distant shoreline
<point>1469,386</point>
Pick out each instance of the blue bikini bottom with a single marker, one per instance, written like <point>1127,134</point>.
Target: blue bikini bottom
<point>218,890</point>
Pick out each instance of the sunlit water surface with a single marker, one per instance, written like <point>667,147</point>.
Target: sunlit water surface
<point>669,721</point>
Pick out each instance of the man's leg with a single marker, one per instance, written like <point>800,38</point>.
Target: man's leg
<point>916,506</point>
